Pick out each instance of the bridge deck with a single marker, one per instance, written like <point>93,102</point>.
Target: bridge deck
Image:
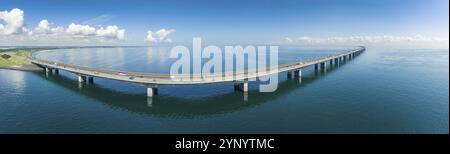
<point>167,79</point>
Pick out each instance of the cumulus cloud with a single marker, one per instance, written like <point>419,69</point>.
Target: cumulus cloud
<point>368,40</point>
<point>82,30</point>
<point>161,35</point>
<point>14,22</point>
<point>44,28</point>
<point>14,28</point>
<point>111,32</point>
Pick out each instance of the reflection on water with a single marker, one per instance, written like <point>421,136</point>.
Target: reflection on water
<point>15,80</point>
<point>175,106</point>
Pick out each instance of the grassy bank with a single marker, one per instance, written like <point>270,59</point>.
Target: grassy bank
<point>15,60</point>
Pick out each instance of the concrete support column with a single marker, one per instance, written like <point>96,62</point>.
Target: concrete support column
<point>242,86</point>
<point>152,90</point>
<point>81,78</point>
<point>245,86</point>
<point>91,79</point>
<point>323,65</point>
<point>47,70</point>
<point>331,62</point>
<point>298,73</point>
<point>236,86</point>
<point>316,67</point>
<point>56,71</point>
<point>289,74</point>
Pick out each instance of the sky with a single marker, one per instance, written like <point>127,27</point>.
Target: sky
<point>135,22</point>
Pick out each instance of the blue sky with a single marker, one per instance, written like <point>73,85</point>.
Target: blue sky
<point>249,21</point>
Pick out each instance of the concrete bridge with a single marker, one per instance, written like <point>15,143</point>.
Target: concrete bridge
<point>240,78</point>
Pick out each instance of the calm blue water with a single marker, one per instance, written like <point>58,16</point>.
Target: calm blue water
<point>380,91</point>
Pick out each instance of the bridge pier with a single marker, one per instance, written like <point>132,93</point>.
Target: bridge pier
<point>316,67</point>
<point>323,65</point>
<point>152,90</point>
<point>245,86</point>
<point>289,74</point>
<point>81,78</point>
<point>298,73</point>
<point>56,71</point>
<point>47,70</point>
<point>236,86</point>
<point>242,86</point>
<point>90,79</point>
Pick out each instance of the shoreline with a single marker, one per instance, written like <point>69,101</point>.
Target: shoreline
<point>18,61</point>
<point>29,68</point>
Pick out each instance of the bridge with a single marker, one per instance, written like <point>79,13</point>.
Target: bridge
<point>152,81</point>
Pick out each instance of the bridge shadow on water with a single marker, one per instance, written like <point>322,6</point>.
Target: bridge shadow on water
<point>181,107</point>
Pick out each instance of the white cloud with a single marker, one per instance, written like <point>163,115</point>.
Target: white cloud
<point>14,22</point>
<point>82,30</point>
<point>161,35</point>
<point>417,40</point>
<point>13,30</point>
<point>102,34</point>
<point>44,28</point>
<point>77,32</point>
<point>111,32</point>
